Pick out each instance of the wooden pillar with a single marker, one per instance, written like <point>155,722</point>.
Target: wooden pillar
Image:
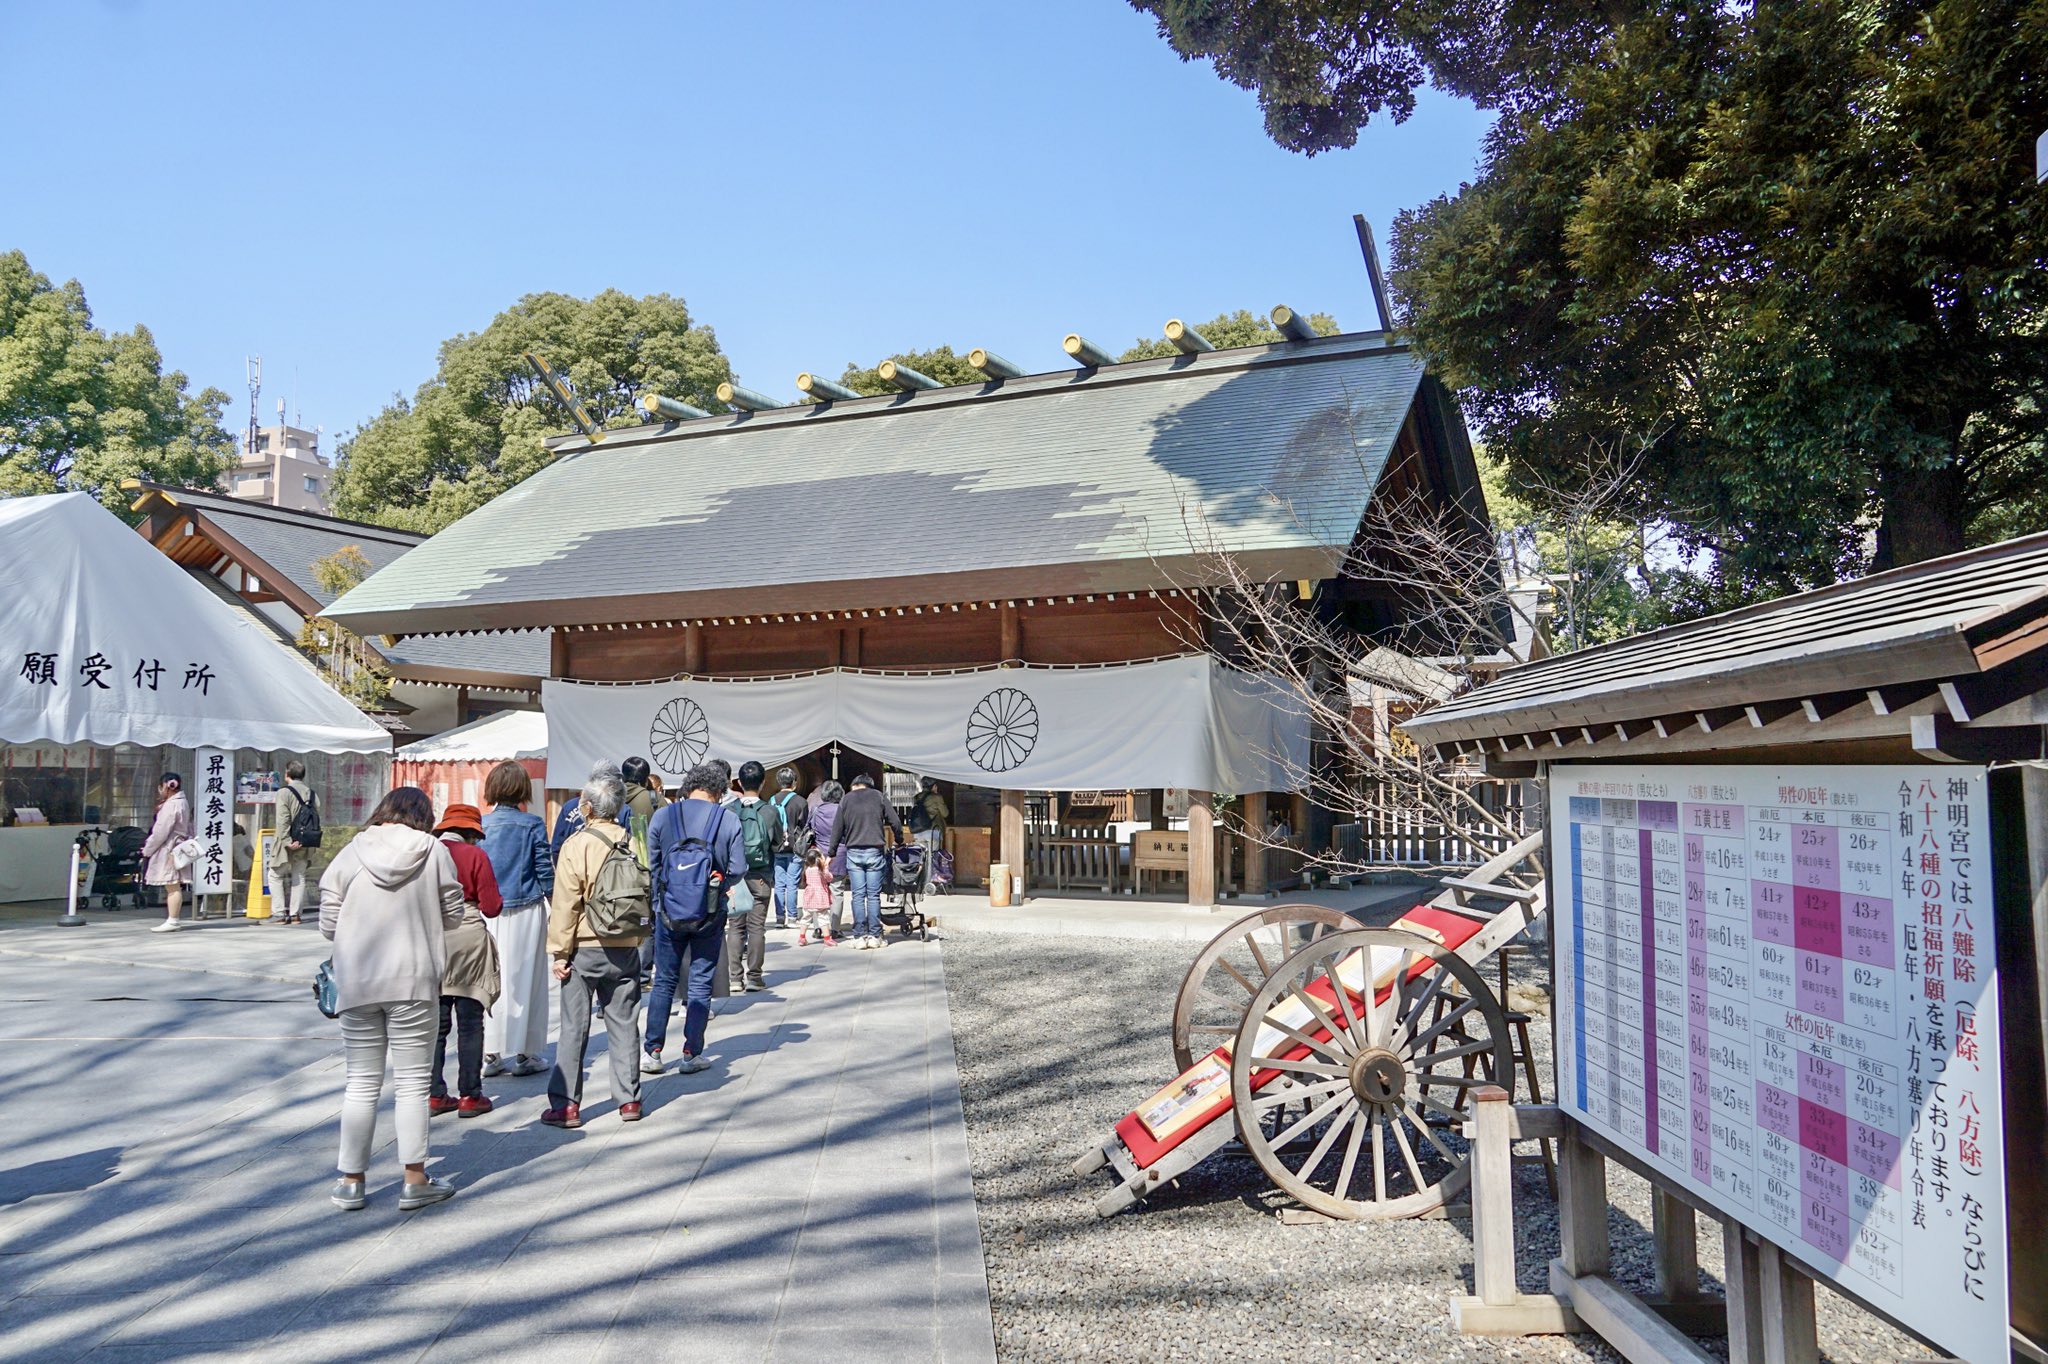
<point>1201,848</point>
<point>1674,1231</point>
<point>1790,1333</point>
<point>1012,840</point>
<point>1583,1245</point>
<point>558,654</point>
<point>1013,635</point>
<point>1742,1272</point>
<point>1159,819</point>
<point>1254,849</point>
<point>693,648</point>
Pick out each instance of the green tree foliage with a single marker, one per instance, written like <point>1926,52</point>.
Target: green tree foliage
<point>82,409</point>
<point>350,665</point>
<point>477,427</point>
<point>939,363</point>
<point>1227,330</point>
<point>1797,242</point>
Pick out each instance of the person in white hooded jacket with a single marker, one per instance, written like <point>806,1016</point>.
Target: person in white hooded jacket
<point>385,902</point>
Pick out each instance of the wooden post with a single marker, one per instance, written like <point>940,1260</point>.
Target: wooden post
<point>1790,1335</point>
<point>1583,1246</point>
<point>1201,848</point>
<point>693,648</point>
<point>1497,1306</point>
<point>1742,1271</point>
<point>1012,843</point>
<point>1254,850</point>
<point>558,654</point>
<point>1158,797</point>
<point>1013,635</point>
<point>1493,1197</point>
<point>1675,1232</point>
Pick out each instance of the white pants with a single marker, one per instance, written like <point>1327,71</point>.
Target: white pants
<point>406,1031</point>
<point>518,1024</point>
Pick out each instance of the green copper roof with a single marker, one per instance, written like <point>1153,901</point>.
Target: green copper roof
<point>1082,480</point>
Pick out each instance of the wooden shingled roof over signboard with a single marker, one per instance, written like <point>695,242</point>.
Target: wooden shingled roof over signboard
<point>1939,660</point>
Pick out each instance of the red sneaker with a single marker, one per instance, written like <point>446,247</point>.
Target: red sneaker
<point>568,1115</point>
<point>803,939</point>
<point>830,941</point>
<point>629,1112</point>
<point>474,1107</point>
<point>437,1104</point>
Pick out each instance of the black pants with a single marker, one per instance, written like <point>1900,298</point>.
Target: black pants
<point>469,1048</point>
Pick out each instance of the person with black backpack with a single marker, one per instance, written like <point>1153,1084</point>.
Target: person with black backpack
<point>603,901</point>
<point>698,853</point>
<point>746,935</point>
<point>298,833</point>
<point>793,814</point>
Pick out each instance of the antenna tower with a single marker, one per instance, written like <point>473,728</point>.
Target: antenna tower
<point>254,364</point>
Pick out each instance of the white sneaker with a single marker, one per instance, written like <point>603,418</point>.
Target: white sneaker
<point>168,926</point>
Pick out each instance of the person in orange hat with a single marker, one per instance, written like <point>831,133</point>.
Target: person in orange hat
<point>470,984</point>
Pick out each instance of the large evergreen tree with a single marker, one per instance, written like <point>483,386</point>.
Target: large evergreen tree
<point>82,409</point>
<point>1795,247</point>
<point>477,427</point>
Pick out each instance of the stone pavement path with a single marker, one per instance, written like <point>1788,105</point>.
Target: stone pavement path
<point>807,1198</point>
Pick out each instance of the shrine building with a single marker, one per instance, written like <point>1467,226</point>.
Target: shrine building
<point>997,584</point>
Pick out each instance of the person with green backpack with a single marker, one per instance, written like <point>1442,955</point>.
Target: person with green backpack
<point>746,934</point>
<point>602,908</point>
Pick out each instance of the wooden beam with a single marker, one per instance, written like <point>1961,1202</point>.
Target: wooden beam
<point>1790,1336</point>
<point>1012,634</point>
<point>693,648</point>
<point>1583,1244</point>
<point>1742,1272</point>
<point>1201,848</point>
<point>1937,736</point>
<point>1891,699</point>
<point>1974,697</point>
<point>1721,717</point>
<point>1763,714</point>
<point>1633,729</point>
<point>1623,1320</point>
<point>1828,706</point>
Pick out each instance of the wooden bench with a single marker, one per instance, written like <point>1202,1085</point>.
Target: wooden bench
<point>1156,851</point>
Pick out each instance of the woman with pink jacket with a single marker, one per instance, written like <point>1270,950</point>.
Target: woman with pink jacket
<point>173,826</point>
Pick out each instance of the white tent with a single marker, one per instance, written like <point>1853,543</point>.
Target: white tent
<point>509,734</point>
<point>107,641</point>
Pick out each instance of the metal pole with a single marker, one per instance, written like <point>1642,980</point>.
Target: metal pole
<point>71,917</point>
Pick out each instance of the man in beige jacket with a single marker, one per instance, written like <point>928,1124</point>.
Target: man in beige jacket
<point>595,972</point>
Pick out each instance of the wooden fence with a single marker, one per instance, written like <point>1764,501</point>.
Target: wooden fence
<point>1400,829</point>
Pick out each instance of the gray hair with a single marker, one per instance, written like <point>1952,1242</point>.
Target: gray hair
<point>603,794</point>
<point>605,767</point>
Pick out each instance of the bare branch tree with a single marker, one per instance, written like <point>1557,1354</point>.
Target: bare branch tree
<point>1452,601</point>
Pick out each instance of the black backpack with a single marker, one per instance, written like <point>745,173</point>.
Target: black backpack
<point>305,829</point>
<point>797,838</point>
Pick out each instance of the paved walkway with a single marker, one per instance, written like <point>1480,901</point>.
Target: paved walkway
<point>807,1198</point>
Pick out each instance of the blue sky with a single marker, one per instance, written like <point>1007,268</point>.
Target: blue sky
<point>339,188</point>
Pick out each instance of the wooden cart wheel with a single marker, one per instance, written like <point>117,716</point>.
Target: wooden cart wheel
<point>1230,970</point>
<point>1360,1126</point>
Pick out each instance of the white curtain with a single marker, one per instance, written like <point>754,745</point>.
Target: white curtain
<point>1185,722</point>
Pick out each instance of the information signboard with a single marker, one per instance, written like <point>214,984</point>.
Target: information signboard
<point>213,821</point>
<point>1777,987</point>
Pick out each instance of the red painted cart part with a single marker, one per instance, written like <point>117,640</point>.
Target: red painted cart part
<point>1452,930</point>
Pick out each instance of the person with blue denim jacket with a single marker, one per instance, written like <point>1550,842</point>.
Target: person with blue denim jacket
<point>516,841</point>
<point>792,813</point>
<point>701,943</point>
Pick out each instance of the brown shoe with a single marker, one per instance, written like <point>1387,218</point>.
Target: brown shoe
<point>568,1115</point>
<point>629,1112</point>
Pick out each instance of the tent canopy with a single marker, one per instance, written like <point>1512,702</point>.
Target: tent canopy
<point>517,735</point>
<point>106,641</point>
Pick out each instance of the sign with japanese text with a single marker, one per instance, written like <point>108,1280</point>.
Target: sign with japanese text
<point>1778,989</point>
<point>213,822</point>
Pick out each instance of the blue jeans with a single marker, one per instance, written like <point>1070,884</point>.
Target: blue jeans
<point>703,946</point>
<point>789,876</point>
<point>864,870</point>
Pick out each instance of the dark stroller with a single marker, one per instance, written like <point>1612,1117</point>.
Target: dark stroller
<point>117,869</point>
<point>909,878</point>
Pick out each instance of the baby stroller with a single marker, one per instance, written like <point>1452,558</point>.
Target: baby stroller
<point>909,876</point>
<point>117,867</point>
<point>942,872</point>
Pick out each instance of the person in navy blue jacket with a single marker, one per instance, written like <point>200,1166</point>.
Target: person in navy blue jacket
<point>701,941</point>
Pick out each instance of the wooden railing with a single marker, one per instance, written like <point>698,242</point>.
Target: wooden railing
<point>1400,829</point>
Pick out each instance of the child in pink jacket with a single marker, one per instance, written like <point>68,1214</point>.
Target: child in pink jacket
<point>815,900</point>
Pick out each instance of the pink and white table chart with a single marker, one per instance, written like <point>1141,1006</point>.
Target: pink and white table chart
<point>1778,988</point>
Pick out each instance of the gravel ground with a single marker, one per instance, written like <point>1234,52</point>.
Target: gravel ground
<point>1058,1037</point>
